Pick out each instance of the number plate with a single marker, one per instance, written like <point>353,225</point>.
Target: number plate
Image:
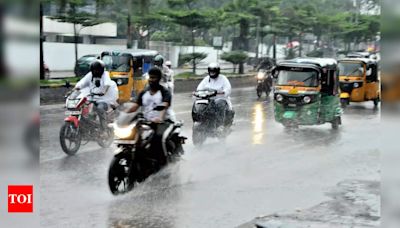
<point>292,105</point>
<point>202,102</point>
<point>293,91</point>
<point>72,113</point>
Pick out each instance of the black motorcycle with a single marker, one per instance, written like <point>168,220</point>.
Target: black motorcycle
<point>264,83</point>
<point>205,115</point>
<point>134,158</point>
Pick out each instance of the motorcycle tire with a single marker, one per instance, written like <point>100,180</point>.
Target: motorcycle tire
<point>259,93</point>
<point>198,137</point>
<point>106,142</point>
<point>65,130</point>
<point>120,172</point>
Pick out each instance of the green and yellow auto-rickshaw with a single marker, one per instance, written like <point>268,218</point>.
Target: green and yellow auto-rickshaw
<point>306,92</point>
<point>359,80</point>
<point>127,68</point>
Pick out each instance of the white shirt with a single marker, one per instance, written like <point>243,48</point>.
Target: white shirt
<point>221,83</point>
<point>149,102</point>
<point>105,81</point>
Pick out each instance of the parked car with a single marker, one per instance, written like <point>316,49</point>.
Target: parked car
<point>82,66</point>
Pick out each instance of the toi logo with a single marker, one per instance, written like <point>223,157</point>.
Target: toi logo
<point>20,198</point>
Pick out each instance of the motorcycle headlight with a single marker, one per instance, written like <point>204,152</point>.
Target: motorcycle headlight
<point>128,132</point>
<point>72,103</point>
<point>279,97</point>
<point>355,85</point>
<point>260,75</point>
<point>119,81</point>
<point>307,99</point>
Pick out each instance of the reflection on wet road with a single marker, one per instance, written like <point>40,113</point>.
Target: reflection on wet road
<point>259,169</point>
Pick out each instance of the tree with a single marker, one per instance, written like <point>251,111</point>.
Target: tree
<point>236,58</point>
<point>192,58</point>
<point>183,13</point>
<point>80,19</point>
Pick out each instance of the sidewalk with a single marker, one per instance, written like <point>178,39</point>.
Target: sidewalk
<point>61,74</point>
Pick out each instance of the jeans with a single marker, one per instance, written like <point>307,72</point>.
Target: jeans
<point>102,108</point>
<point>224,115</point>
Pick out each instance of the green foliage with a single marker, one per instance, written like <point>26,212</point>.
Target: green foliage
<point>195,57</point>
<point>234,57</point>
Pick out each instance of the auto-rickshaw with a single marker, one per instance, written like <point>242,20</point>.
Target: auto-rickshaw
<point>358,80</point>
<point>306,92</point>
<point>127,68</point>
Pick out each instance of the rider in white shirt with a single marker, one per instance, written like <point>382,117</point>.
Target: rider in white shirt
<point>216,81</point>
<point>98,81</point>
<point>172,75</point>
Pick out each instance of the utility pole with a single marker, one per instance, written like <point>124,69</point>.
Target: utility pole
<point>274,46</point>
<point>257,36</point>
<point>41,42</point>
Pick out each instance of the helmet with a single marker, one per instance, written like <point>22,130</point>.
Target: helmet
<point>213,70</point>
<point>97,68</point>
<point>158,60</point>
<point>168,63</point>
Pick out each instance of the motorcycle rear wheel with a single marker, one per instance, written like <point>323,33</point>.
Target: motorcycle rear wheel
<point>70,138</point>
<point>120,178</point>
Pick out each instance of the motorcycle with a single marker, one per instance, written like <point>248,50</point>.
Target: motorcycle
<point>264,83</point>
<point>133,161</point>
<point>205,116</point>
<point>82,123</point>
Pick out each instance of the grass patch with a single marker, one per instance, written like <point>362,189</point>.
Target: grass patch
<point>186,75</point>
<point>59,82</point>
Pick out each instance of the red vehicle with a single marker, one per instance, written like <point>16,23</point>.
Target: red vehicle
<point>82,123</point>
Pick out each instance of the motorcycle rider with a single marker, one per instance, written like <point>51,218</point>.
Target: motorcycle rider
<point>166,72</point>
<point>216,81</point>
<point>172,74</point>
<point>108,90</point>
<point>152,96</point>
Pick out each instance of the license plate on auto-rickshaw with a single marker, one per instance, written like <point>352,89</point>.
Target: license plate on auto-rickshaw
<point>293,91</point>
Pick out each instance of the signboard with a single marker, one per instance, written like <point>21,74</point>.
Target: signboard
<point>217,42</point>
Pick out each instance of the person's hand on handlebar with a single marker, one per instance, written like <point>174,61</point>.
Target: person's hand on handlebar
<point>156,120</point>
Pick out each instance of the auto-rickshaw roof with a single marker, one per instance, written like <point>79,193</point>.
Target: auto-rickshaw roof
<point>359,54</point>
<point>133,52</point>
<point>310,62</point>
<point>364,60</point>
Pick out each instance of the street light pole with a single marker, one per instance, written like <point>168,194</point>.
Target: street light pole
<point>257,36</point>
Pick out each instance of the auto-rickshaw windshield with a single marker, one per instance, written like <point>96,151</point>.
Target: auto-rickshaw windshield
<point>298,78</point>
<point>116,63</point>
<point>351,69</point>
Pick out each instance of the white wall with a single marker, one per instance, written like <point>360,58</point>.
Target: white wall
<point>61,56</point>
<point>104,29</point>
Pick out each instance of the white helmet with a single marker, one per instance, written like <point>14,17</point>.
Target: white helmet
<point>168,64</point>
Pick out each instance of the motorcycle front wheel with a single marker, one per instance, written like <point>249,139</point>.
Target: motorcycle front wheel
<point>120,178</point>
<point>105,140</point>
<point>70,138</point>
<point>198,137</point>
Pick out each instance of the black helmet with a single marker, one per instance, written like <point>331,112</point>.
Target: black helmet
<point>97,68</point>
<point>213,70</point>
<point>158,60</point>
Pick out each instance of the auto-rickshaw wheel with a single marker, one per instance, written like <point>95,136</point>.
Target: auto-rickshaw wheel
<point>376,101</point>
<point>344,102</point>
<point>336,122</point>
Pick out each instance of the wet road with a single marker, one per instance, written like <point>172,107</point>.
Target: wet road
<point>260,169</point>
